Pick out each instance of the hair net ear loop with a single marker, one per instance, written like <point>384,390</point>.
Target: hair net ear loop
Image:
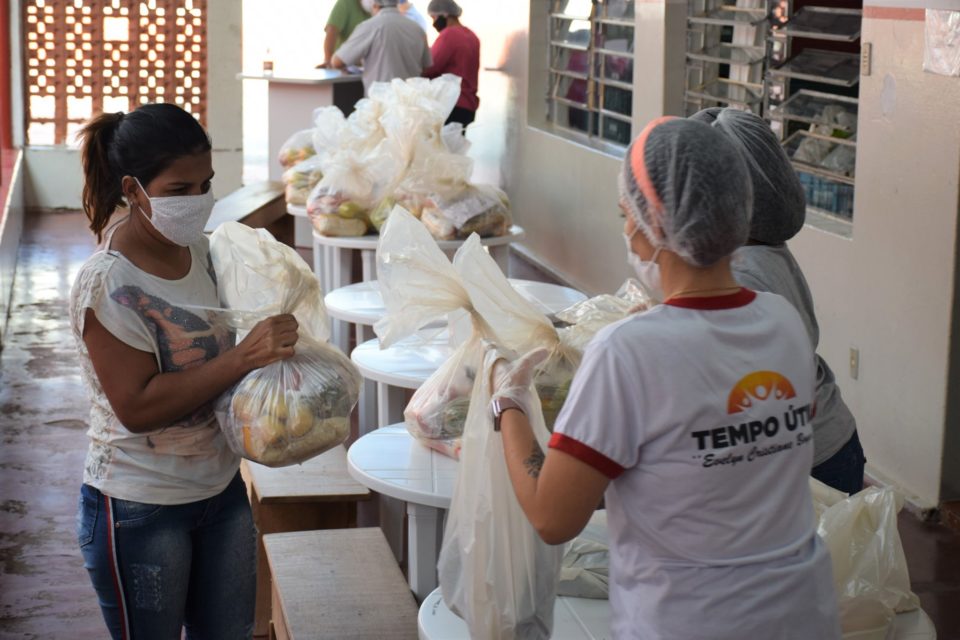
<point>639,167</point>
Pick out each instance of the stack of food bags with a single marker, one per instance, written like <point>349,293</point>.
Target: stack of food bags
<point>293,409</point>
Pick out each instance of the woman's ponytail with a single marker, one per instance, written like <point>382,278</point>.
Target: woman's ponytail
<point>102,192</point>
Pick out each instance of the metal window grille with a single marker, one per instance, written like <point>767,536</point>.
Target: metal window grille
<point>590,89</point>
<point>83,57</point>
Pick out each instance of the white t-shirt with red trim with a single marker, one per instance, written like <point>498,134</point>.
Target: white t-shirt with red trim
<point>699,411</point>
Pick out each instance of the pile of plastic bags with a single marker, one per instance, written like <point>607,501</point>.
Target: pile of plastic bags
<point>394,149</point>
<point>293,409</point>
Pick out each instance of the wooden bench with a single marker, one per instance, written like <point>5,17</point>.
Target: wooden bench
<point>341,585</point>
<point>319,494</point>
<point>260,205</point>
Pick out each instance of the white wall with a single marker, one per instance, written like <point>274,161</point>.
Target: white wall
<point>565,194</point>
<point>889,291</point>
<point>54,177</point>
<point>11,230</point>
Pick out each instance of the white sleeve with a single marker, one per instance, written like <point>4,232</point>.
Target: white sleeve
<point>112,304</point>
<point>600,421</point>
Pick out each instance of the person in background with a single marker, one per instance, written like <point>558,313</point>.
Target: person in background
<point>388,45</point>
<point>406,8</point>
<point>164,524</point>
<point>692,419</point>
<point>766,264</point>
<point>344,18</point>
<point>456,50</point>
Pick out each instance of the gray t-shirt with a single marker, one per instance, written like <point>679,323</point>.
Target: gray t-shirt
<point>389,45</point>
<point>774,269</point>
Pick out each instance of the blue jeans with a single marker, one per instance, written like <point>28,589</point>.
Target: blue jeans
<point>843,470</point>
<point>158,569</point>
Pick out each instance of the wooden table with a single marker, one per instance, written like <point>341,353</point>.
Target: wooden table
<point>319,494</point>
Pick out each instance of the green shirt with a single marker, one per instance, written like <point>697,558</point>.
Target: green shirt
<point>345,16</point>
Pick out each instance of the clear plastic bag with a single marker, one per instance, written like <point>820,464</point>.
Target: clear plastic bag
<point>480,209</point>
<point>300,179</point>
<point>495,571</point>
<point>297,148</point>
<point>869,566</point>
<point>297,408</point>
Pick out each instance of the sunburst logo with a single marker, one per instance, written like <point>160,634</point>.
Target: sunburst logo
<point>756,387</point>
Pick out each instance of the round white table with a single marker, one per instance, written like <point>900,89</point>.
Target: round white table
<point>404,365</point>
<point>573,619</point>
<point>332,256</point>
<point>390,462</point>
<point>586,619</point>
<point>362,304</point>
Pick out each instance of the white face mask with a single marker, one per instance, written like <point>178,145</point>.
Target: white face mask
<point>648,271</point>
<point>179,219</point>
<point>367,5</point>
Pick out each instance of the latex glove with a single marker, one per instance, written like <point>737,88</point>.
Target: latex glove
<point>513,380</point>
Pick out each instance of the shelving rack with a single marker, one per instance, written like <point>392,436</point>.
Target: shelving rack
<point>725,54</point>
<point>810,100</point>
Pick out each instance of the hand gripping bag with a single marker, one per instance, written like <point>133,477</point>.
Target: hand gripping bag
<point>297,408</point>
<point>495,571</point>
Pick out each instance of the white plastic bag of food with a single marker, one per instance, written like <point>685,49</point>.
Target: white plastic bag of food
<point>300,179</point>
<point>297,408</point>
<point>297,148</point>
<point>495,571</point>
<point>419,287</point>
<point>480,209</point>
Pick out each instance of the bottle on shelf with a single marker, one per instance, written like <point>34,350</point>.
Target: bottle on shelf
<point>268,63</point>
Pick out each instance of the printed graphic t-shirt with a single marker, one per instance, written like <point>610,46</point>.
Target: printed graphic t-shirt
<point>183,462</point>
<point>701,416</point>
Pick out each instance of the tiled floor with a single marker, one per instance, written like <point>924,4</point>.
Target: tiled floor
<point>44,590</point>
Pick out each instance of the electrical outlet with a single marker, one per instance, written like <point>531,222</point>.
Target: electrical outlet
<point>854,363</point>
<point>866,58</point>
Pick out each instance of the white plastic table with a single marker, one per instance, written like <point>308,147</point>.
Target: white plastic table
<point>404,365</point>
<point>362,305</point>
<point>332,257</point>
<point>389,461</point>
<point>585,619</point>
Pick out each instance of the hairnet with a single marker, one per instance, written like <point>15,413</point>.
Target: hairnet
<point>444,8</point>
<point>385,3</point>
<point>688,189</point>
<point>779,206</point>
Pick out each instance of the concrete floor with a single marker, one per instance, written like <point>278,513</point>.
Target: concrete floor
<point>44,590</point>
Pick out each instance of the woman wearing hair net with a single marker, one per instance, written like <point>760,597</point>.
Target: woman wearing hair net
<point>766,264</point>
<point>692,419</point>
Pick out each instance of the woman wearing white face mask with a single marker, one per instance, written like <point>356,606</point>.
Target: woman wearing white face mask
<point>164,524</point>
<point>692,419</point>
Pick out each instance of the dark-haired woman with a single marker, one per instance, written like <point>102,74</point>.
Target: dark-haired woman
<point>164,523</point>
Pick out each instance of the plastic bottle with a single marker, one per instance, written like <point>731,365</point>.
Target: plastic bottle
<point>268,63</point>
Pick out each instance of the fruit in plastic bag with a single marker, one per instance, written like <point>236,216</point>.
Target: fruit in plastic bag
<point>300,179</point>
<point>297,148</point>
<point>337,227</point>
<point>294,409</point>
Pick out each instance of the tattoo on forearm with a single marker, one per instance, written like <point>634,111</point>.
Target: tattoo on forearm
<point>535,462</point>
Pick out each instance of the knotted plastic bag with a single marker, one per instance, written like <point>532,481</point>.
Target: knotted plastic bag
<point>293,409</point>
<point>495,571</point>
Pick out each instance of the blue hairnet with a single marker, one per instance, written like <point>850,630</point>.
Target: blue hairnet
<point>779,205</point>
<point>688,189</point>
